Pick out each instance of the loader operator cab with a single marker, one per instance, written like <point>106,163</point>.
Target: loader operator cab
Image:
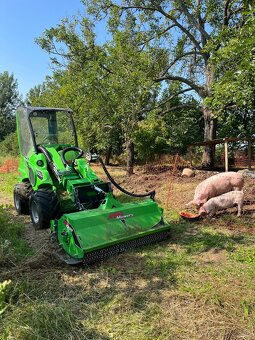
<point>45,127</point>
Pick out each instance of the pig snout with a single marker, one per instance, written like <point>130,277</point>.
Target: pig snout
<point>202,212</point>
<point>209,208</point>
<point>196,202</point>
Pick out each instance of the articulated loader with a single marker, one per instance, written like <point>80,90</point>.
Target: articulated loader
<point>59,190</point>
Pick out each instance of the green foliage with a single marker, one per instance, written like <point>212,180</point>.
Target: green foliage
<point>113,94</point>
<point>7,183</point>
<point>9,146</point>
<point>112,89</point>
<point>234,65</point>
<point>9,100</point>
<point>170,134</point>
<point>186,31</point>
<point>155,53</point>
<point>236,122</point>
<point>150,138</point>
<point>13,247</point>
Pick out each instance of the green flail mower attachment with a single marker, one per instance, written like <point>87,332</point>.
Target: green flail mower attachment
<point>59,189</point>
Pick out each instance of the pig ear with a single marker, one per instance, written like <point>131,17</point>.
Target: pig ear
<point>199,202</point>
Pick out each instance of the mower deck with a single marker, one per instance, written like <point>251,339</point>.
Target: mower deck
<point>89,232</point>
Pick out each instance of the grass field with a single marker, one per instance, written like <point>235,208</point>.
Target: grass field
<point>199,284</point>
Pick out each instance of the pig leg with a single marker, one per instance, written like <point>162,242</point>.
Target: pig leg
<point>212,212</point>
<point>239,208</point>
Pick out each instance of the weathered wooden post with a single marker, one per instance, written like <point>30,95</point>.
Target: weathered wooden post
<point>249,153</point>
<point>226,154</point>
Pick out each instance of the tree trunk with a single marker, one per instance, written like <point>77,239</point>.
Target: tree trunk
<point>209,134</point>
<point>210,123</point>
<point>130,157</point>
<point>108,155</point>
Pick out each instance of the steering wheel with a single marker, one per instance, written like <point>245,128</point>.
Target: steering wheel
<point>71,148</point>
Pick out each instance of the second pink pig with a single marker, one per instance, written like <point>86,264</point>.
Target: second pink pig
<point>222,202</point>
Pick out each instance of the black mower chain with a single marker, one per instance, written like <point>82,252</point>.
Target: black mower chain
<point>102,254</point>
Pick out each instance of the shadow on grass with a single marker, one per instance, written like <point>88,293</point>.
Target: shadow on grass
<point>201,237</point>
<point>96,301</point>
<point>113,297</point>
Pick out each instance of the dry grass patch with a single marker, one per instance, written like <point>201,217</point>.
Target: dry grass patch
<point>197,285</point>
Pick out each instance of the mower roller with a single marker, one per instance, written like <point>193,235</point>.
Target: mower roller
<point>60,190</point>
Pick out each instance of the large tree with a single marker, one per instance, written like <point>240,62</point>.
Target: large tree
<point>9,99</point>
<point>110,86</point>
<point>234,64</point>
<point>185,28</point>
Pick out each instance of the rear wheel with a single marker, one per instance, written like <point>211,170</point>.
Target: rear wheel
<point>43,206</point>
<point>22,192</point>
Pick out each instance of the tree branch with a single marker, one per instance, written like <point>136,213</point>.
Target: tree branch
<point>181,27</point>
<point>235,11</point>
<point>226,15</point>
<point>205,36</point>
<point>158,35</point>
<point>181,106</point>
<point>134,7</point>
<point>106,68</point>
<point>160,10</point>
<point>180,57</point>
<point>169,99</point>
<point>199,89</point>
<point>176,94</point>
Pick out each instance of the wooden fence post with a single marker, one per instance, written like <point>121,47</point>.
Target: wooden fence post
<point>226,155</point>
<point>249,154</point>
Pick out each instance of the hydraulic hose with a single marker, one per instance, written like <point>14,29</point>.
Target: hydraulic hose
<point>151,194</point>
<point>49,161</point>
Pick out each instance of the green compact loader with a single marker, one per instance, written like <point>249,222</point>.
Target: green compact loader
<point>60,190</point>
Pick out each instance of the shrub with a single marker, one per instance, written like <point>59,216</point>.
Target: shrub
<point>9,146</point>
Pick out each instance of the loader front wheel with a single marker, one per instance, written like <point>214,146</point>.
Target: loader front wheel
<point>43,206</point>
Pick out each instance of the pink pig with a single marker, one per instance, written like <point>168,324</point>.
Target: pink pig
<point>216,185</point>
<point>225,201</point>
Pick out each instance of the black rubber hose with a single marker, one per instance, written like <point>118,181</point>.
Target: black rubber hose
<point>48,159</point>
<point>71,148</point>
<point>151,193</point>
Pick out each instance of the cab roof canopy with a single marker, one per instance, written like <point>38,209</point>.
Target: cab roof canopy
<point>26,110</point>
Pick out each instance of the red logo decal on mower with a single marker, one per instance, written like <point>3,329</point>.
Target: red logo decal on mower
<point>119,215</point>
<point>115,215</point>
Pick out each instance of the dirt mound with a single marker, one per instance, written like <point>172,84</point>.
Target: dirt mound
<point>9,165</point>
